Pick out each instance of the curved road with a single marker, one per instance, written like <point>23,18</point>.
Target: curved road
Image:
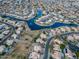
<point>50,38</point>
<point>30,22</point>
<point>9,34</point>
<point>34,26</point>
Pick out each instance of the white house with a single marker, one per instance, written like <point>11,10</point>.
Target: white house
<point>9,42</point>
<point>2,48</point>
<point>34,55</point>
<point>37,48</point>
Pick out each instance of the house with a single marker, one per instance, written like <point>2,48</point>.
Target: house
<point>68,29</point>
<point>58,31</point>
<point>63,29</point>
<point>18,32</point>
<point>66,21</point>
<point>5,32</point>
<point>69,54</point>
<point>34,55</point>
<point>2,26</point>
<point>56,55</point>
<point>53,32</point>
<point>75,29</point>
<point>11,22</point>
<point>39,40</point>
<point>2,47</point>
<point>32,13</point>
<point>58,41</point>
<point>76,36</point>
<point>37,48</point>
<point>7,27</point>
<point>14,36</point>
<point>42,35</point>
<point>1,36</point>
<point>70,37</point>
<point>9,42</point>
<point>19,24</point>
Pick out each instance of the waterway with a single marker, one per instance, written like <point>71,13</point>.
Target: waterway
<point>33,26</point>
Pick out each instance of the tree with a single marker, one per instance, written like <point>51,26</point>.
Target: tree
<point>77,54</point>
<point>62,46</point>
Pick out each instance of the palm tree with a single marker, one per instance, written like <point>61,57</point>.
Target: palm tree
<point>62,47</point>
